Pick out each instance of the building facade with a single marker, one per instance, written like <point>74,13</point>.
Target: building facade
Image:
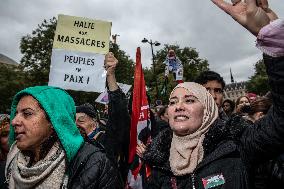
<point>234,90</point>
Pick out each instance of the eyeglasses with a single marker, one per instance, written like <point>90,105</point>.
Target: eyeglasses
<point>215,90</point>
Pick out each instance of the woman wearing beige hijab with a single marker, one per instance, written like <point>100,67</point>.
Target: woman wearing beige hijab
<point>202,151</point>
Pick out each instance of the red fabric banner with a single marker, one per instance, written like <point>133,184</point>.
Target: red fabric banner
<point>139,103</point>
<point>140,128</point>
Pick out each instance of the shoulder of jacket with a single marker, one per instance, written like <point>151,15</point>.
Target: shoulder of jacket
<point>89,155</point>
<point>90,147</point>
<point>222,131</point>
<point>157,153</point>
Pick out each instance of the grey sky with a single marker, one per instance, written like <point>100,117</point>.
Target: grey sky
<point>198,24</point>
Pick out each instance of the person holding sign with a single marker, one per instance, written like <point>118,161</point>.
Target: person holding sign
<point>115,135</point>
<point>201,151</point>
<point>47,150</point>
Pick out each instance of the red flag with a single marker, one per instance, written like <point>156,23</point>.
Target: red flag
<point>140,127</point>
<point>140,105</point>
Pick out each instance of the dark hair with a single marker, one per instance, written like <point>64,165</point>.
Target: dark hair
<point>207,76</point>
<point>232,103</point>
<point>162,111</point>
<point>88,109</point>
<point>261,104</point>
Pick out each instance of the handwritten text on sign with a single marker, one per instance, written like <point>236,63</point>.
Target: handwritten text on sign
<point>79,47</point>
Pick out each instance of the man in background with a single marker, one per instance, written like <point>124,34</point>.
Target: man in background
<point>214,84</point>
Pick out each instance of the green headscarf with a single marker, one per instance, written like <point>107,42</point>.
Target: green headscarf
<point>60,108</point>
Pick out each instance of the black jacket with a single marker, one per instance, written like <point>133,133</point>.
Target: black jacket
<point>92,169</point>
<point>115,139</point>
<point>270,174</point>
<point>3,184</point>
<point>231,149</point>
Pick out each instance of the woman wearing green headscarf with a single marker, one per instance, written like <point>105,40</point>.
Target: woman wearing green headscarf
<point>47,150</point>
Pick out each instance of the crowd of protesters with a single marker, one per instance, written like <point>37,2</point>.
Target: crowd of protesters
<point>199,140</point>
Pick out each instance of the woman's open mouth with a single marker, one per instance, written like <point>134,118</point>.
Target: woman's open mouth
<point>181,117</point>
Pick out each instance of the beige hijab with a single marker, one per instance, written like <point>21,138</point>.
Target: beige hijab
<point>186,152</point>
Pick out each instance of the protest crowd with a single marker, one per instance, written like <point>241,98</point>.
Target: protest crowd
<point>198,140</point>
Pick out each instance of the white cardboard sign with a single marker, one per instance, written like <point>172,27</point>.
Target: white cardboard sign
<point>79,47</point>
<point>75,70</point>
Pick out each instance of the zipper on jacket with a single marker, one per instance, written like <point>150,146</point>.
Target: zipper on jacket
<point>193,180</point>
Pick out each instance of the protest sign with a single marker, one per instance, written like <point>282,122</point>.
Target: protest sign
<point>79,47</point>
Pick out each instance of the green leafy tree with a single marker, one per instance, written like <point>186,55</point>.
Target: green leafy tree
<point>11,79</point>
<point>36,49</point>
<point>258,83</point>
<point>125,69</point>
<point>192,65</point>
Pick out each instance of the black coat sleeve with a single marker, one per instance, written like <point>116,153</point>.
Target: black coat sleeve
<point>92,169</point>
<point>116,137</point>
<point>265,139</point>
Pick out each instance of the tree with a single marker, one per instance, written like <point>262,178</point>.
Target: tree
<point>258,83</point>
<point>125,69</point>
<point>11,82</point>
<point>192,65</point>
<point>34,67</point>
<point>37,48</point>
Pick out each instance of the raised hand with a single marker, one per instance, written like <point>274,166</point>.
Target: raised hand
<point>251,14</point>
<point>110,63</point>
